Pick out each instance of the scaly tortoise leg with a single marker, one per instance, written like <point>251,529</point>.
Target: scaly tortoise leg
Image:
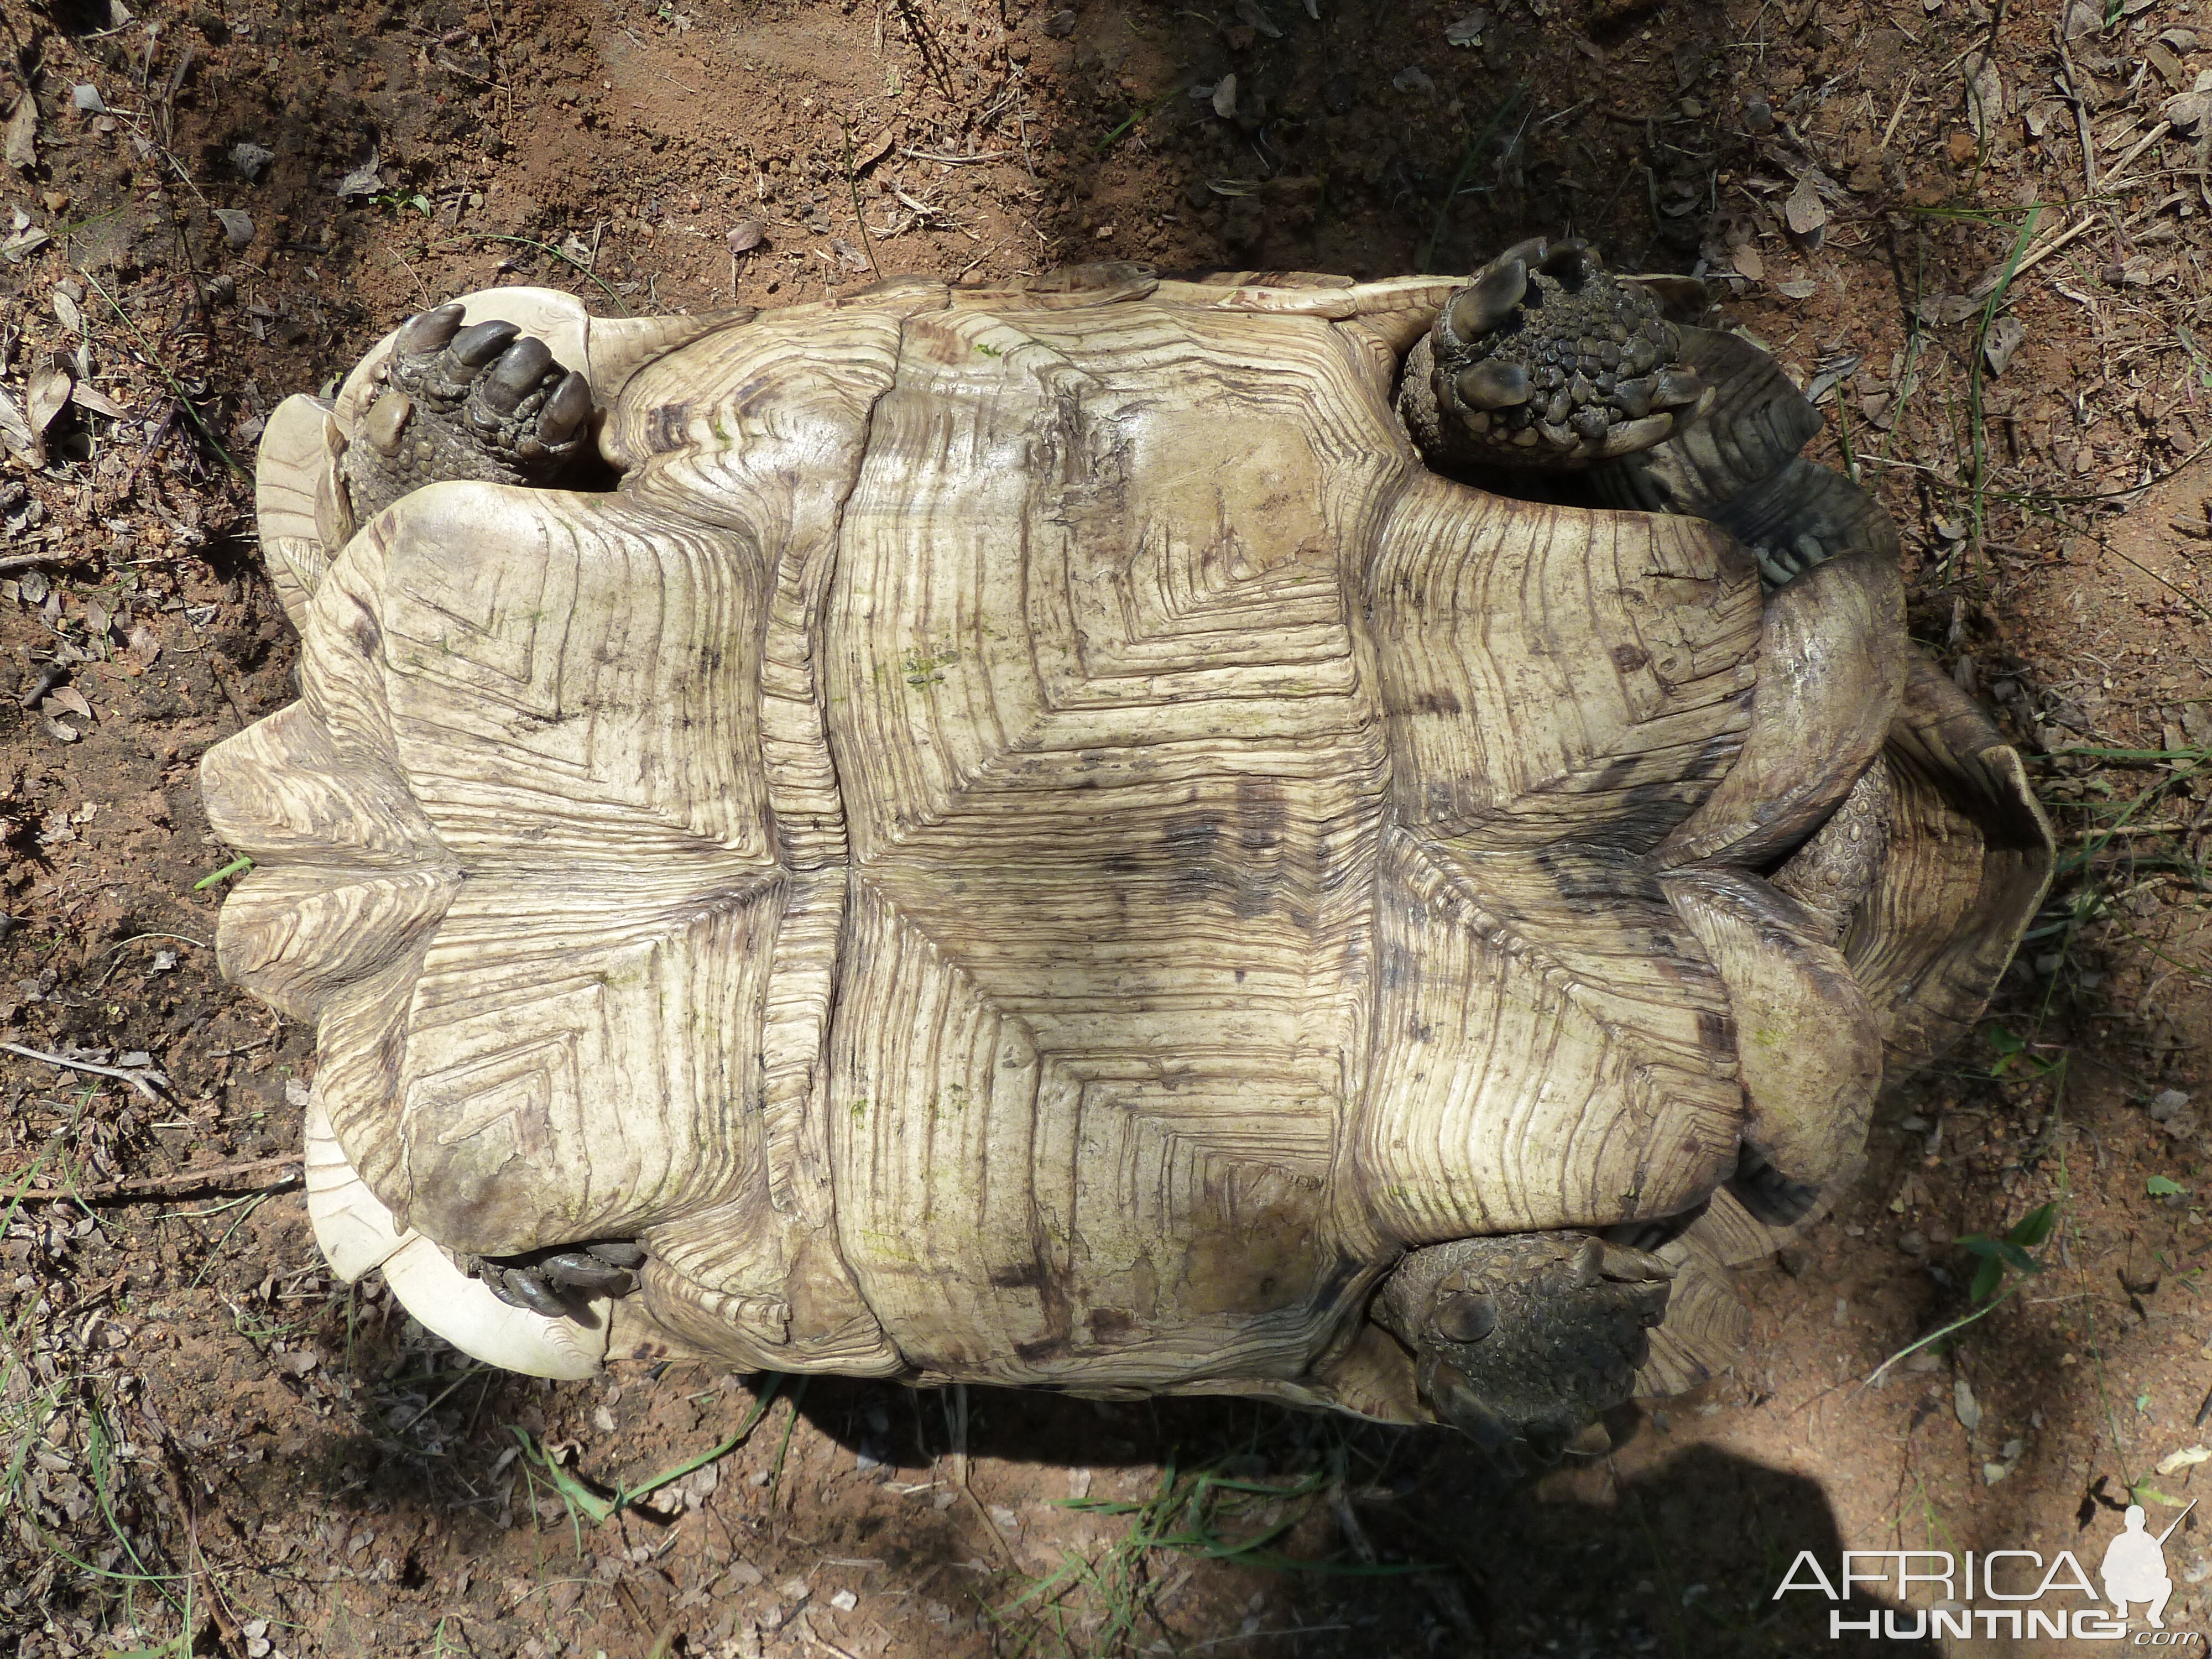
<point>486,402</point>
<point>1522,1341</point>
<point>535,1278</point>
<point>1544,362</point>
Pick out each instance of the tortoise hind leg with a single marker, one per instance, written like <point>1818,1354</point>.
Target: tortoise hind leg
<point>1523,1341</point>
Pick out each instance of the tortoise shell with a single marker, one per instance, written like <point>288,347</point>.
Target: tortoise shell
<point>1025,835</point>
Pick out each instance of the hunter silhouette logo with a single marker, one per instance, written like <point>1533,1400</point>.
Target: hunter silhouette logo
<point>2033,1598</point>
<point>2135,1566</point>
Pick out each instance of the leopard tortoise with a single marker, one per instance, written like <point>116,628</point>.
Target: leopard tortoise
<point>1359,843</point>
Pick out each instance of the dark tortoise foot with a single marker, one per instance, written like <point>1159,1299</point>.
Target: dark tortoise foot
<point>1545,361</point>
<point>484,402</point>
<point>538,1279</point>
<point>1523,1342</point>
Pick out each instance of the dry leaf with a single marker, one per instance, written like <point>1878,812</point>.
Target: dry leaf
<point>1985,94</point>
<point>1797,287</point>
<point>65,308</point>
<point>2174,1462</point>
<point>65,700</point>
<point>363,180</point>
<point>1749,264</point>
<point>145,644</point>
<point>237,227</point>
<point>2190,113</point>
<point>84,395</point>
<point>15,433</point>
<point>746,235</point>
<point>50,390</point>
<point>2002,340</point>
<point>63,733</point>
<point>1224,96</point>
<point>23,134</point>
<point>28,239</point>
<point>1467,30</point>
<point>1251,12</point>
<point>1963,1402</point>
<point>1805,213</point>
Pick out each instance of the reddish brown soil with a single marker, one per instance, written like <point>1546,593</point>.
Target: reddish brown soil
<point>203,1432</point>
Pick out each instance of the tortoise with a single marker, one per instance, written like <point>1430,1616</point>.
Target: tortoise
<point>1362,842</point>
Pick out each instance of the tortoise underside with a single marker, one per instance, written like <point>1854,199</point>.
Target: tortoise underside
<point>1034,844</point>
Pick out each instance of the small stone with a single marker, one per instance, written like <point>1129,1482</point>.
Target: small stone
<point>2165,1102</point>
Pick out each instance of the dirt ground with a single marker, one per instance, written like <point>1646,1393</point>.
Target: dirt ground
<point>1976,232</point>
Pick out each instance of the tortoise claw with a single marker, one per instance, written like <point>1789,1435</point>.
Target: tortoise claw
<point>479,343</point>
<point>566,410</point>
<point>1493,385</point>
<point>1490,300</point>
<point>518,371</point>
<point>585,1271</point>
<point>430,331</point>
<point>534,1293</point>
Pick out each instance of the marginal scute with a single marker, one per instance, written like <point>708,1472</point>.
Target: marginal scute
<point>1831,671</point>
<point>1969,861</point>
<point>1808,1045</point>
<point>356,1233</point>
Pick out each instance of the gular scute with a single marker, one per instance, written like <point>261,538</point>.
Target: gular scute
<point>1032,838</point>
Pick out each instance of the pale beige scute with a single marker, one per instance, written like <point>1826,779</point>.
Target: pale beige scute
<point>1732,1236</point>
<point>1708,1323</point>
<point>1832,672</point>
<point>286,469</point>
<point>1969,859</point>
<point>579,1056</point>
<point>294,935</point>
<point>1808,1045</point>
<point>1550,1050</point>
<point>1553,672</point>
<point>1563,688</point>
<point>1106,746</point>
<point>575,678</point>
<point>288,786</point>
<point>356,1234</point>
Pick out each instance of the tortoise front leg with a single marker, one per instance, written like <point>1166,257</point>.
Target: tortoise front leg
<point>1525,1341</point>
<point>1544,362</point>
<point>486,402</point>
